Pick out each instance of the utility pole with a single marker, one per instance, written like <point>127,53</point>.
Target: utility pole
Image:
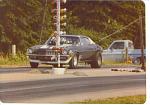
<point>57,27</point>
<point>142,44</point>
<point>58,30</point>
<point>59,15</point>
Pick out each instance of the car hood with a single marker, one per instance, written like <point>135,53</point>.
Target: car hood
<point>41,47</point>
<point>46,47</point>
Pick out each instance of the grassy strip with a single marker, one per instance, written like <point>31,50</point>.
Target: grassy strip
<point>140,99</point>
<point>19,59</point>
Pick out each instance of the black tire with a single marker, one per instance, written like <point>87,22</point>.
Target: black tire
<point>34,65</point>
<point>138,61</point>
<point>97,63</point>
<point>73,64</point>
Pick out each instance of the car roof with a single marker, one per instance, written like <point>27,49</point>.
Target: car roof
<point>123,41</point>
<point>75,35</point>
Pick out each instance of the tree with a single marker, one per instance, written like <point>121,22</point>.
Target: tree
<point>21,21</point>
<point>106,17</point>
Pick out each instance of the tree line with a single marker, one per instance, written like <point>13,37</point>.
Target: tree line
<point>21,21</point>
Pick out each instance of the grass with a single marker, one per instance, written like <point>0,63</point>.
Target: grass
<point>119,64</point>
<point>139,99</point>
<point>19,59</point>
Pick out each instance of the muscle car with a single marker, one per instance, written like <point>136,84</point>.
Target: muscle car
<point>72,50</point>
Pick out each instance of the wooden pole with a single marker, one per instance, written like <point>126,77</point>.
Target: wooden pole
<point>43,21</point>
<point>126,55</point>
<point>142,44</point>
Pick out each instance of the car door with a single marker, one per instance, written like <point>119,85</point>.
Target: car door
<point>116,52</point>
<point>93,48</point>
<point>86,48</point>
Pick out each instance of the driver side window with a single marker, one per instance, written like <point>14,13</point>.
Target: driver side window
<point>85,41</point>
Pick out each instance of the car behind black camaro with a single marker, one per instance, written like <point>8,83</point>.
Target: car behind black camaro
<point>73,49</point>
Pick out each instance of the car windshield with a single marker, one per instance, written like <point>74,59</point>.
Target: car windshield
<point>117,45</point>
<point>64,40</point>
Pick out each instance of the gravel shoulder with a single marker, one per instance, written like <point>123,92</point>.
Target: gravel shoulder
<point>36,74</point>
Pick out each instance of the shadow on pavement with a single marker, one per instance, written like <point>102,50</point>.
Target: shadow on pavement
<point>49,67</point>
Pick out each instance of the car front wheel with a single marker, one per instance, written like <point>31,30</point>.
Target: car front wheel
<point>97,62</point>
<point>74,62</point>
<point>34,65</point>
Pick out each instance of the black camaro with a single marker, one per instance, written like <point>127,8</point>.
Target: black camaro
<point>73,48</point>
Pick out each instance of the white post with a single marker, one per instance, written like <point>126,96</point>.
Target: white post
<point>58,71</point>
<point>13,50</point>
<point>58,29</point>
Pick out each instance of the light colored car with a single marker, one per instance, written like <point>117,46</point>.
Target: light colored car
<point>116,52</point>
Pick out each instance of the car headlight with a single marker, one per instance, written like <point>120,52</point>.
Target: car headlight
<point>29,51</point>
<point>64,52</point>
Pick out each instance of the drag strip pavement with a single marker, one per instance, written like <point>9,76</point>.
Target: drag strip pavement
<point>13,91</point>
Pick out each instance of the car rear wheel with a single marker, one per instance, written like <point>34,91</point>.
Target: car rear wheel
<point>97,62</point>
<point>34,65</point>
<point>74,62</point>
<point>137,61</point>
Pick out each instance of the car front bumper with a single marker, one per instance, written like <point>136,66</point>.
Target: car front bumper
<point>49,59</point>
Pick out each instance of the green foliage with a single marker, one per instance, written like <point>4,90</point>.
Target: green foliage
<point>21,21</point>
<point>19,59</point>
<point>106,17</point>
<point>140,99</point>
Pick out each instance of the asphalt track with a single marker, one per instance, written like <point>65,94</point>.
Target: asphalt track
<point>45,90</point>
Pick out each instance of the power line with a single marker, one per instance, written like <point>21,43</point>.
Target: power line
<point>122,28</point>
<point>43,20</point>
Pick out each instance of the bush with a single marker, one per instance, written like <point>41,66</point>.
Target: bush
<point>19,59</point>
<point>140,99</point>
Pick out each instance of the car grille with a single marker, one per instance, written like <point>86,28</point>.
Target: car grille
<point>45,52</point>
<point>51,52</point>
<point>41,52</point>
